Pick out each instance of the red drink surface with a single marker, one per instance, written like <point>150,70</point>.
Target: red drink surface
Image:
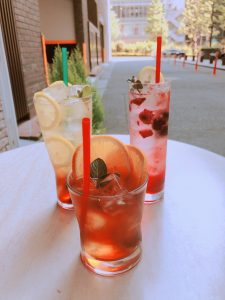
<point>112,228</point>
<point>149,129</point>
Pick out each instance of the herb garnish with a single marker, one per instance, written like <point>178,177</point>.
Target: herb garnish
<point>99,173</point>
<point>136,84</point>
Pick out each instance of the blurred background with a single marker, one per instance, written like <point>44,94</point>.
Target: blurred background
<point>107,43</point>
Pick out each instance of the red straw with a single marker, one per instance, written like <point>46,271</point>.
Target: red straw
<point>215,65</point>
<point>86,165</point>
<point>158,59</point>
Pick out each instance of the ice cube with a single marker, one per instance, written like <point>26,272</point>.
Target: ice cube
<point>94,221</point>
<point>99,250</point>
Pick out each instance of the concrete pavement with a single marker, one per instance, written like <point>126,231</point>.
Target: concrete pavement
<point>197,103</point>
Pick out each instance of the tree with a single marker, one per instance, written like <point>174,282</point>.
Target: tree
<point>156,21</point>
<point>195,23</point>
<point>115,30</point>
<point>216,10</point>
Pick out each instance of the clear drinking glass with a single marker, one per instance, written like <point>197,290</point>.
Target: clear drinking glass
<point>61,126</point>
<point>111,233</point>
<point>148,122</point>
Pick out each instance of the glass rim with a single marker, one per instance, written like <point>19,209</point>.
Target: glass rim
<point>75,100</point>
<point>103,196</point>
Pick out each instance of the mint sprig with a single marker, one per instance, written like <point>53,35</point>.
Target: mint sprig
<point>99,173</point>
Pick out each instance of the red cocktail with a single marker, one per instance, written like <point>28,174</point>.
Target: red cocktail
<point>149,116</point>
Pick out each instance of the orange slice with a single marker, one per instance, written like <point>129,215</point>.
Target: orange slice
<point>112,151</point>
<point>139,171</point>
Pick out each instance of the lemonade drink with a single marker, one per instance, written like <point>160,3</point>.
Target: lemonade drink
<point>60,110</point>
<point>111,232</point>
<point>148,116</point>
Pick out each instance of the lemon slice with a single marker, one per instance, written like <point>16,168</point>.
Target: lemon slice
<point>57,90</point>
<point>147,74</point>
<point>60,150</point>
<point>48,111</point>
<point>86,92</point>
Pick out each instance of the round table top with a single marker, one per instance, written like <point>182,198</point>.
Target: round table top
<point>183,235</point>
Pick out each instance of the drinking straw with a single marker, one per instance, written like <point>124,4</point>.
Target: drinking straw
<point>86,166</point>
<point>65,66</point>
<point>196,64</point>
<point>215,65</point>
<point>158,59</point>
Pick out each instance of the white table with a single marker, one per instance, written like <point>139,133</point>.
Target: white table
<point>183,236</point>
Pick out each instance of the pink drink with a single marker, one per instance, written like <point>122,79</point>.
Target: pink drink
<point>149,115</point>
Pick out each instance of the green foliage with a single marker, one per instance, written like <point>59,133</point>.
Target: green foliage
<point>97,113</point>
<point>156,21</point>
<point>138,48</point>
<point>77,75</point>
<point>216,11</point>
<point>55,69</point>
<point>195,22</point>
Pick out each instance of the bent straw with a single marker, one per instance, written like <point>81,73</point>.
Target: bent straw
<point>86,166</point>
<point>65,66</point>
<point>158,59</point>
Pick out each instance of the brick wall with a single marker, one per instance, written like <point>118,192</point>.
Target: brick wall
<point>29,37</point>
<point>4,143</point>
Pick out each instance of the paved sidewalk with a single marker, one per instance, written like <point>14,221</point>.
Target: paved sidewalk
<point>197,102</point>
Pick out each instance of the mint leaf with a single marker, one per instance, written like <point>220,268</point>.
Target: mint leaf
<point>98,169</point>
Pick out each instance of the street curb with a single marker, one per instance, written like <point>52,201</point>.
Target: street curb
<point>200,65</point>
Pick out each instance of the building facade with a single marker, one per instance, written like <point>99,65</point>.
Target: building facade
<point>132,16</point>
<point>23,23</point>
<point>173,14</point>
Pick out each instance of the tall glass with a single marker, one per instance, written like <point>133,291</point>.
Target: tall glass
<point>111,233</point>
<point>148,122</point>
<point>63,135</point>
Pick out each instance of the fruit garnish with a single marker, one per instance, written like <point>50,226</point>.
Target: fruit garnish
<point>139,171</point>
<point>164,130</point>
<point>48,111</point>
<point>136,84</point>
<point>86,91</point>
<point>147,74</point>
<point>146,133</point>
<point>160,123</point>
<point>146,116</point>
<point>57,90</point>
<point>60,150</point>
<point>111,151</point>
<point>138,101</point>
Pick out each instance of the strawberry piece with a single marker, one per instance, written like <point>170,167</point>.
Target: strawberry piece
<point>146,133</point>
<point>138,123</point>
<point>146,116</point>
<point>129,107</point>
<point>138,101</point>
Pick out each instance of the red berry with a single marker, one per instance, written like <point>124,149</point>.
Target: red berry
<point>138,101</point>
<point>138,122</point>
<point>146,133</point>
<point>146,116</point>
<point>130,107</point>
